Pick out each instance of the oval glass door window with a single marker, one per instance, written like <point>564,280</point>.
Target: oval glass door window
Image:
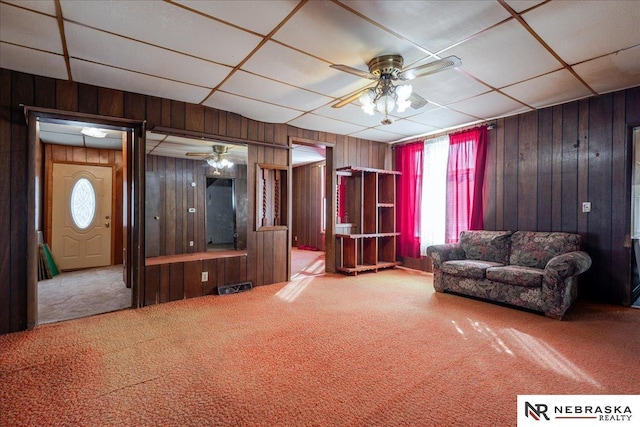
<point>83,203</point>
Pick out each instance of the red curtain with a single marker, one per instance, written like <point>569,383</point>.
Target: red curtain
<point>409,161</point>
<point>465,177</point>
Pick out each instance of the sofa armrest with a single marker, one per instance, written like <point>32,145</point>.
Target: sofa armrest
<point>568,264</point>
<point>445,252</point>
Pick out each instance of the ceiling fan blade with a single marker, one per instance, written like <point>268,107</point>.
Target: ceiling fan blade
<point>349,99</point>
<point>417,101</point>
<point>430,68</point>
<point>355,71</point>
<point>199,154</point>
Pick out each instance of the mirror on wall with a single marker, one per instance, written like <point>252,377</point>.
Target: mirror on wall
<point>196,195</point>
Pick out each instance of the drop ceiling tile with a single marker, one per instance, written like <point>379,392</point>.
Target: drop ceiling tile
<point>351,113</point>
<point>281,63</point>
<point>548,90</point>
<point>407,127</point>
<point>379,135</point>
<point>167,25</point>
<point>266,90</point>
<point>32,61</point>
<point>443,118</point>
<point>43,6</point>
<point>191,142</point>
<point>496,56</point>
<point>97,46</point>
<point>447,87</point>
<point>490,105</point>
<point>264,16</point>
<point>29,29</point>
<point>326,30</point>
<point>323,124</point>
<point>612,72</point>
<point>104,143</point>
<point>522,5</point>
<point>428,23</point>
<point>100,75</point>
<point>578,31</point>
<point>250,108</point>
<point>303,154</point>
<point>61,138</point>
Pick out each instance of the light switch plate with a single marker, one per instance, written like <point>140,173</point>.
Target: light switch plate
<point>586,207</point>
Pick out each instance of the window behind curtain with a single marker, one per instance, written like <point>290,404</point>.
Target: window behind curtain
<point>434,193</point>
<point>465,176</point>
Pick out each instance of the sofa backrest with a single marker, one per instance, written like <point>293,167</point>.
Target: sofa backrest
<point>536,248</point>
<point>486,245</point>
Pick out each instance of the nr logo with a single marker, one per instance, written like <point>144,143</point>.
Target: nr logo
<point>536,411</point>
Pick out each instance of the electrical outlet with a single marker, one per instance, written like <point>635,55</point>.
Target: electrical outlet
<point>586,207</point>
<point>205,276</point>
<point>191,243</point>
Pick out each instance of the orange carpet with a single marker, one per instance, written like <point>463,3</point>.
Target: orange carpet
<point>379,349</point>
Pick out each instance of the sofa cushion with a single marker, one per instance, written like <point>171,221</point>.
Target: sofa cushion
<point>484,245</point>
<point>516,275</point>
<point>468,268</point>
<point>535,249</point>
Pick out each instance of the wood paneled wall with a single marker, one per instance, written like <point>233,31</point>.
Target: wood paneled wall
<point>80,155</point>
<point>307,206</point>
<point>172,281</point>
<point>267,251</point>
<point>543,164</point>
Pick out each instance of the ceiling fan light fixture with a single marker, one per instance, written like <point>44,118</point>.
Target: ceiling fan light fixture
<point>386,104</point>
<point>94,132</point>
<point>404,92</point>
<point>219,163</point>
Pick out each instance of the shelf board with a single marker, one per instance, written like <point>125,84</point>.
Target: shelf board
<point>366,236</point>
<point>361,169</point>
<point>368,267</point>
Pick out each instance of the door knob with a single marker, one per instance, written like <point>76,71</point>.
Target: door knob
<point>106,224</point>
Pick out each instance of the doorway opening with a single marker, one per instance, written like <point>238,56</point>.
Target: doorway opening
<point>83,211</point>
<point>311,207</point>
<point>222,228</point>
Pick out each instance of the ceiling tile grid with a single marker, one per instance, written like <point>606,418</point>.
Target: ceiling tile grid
<point>269,60</point>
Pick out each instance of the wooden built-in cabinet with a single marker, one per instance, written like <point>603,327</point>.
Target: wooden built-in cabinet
<point>370,198</point>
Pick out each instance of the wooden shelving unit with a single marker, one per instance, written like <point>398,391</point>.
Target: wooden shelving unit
<point>371,243</point>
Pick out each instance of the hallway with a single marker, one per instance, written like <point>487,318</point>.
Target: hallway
<point>82,293</point>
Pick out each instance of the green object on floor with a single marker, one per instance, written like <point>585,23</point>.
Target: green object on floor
<point>51,264</point>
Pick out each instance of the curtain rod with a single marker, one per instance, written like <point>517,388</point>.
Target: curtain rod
<point>490,126</point>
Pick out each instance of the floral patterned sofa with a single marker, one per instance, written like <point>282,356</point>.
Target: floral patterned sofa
<point>534,270</point>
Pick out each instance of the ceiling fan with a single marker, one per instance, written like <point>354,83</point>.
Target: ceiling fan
<point>384,95</point>
<point>216,159</point>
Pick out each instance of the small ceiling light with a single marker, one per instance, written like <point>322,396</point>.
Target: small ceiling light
<point>94,132</point>
<point>385,97</point>
<point>218,161</point>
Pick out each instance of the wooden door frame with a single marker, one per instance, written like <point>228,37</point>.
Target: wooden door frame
<point>331,208</point>
<point>133,163</point>
<point>628,292</point>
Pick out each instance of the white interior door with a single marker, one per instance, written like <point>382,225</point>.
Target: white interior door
<point>81,216</point>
